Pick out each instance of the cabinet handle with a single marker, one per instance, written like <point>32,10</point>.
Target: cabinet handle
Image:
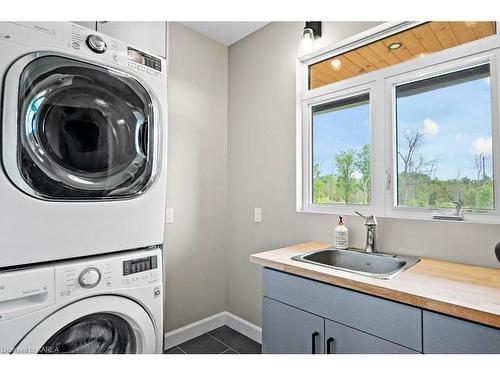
<point>329,343</point>
<point>314,335</point>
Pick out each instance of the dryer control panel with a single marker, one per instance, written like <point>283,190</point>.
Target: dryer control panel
<point>84,42</point>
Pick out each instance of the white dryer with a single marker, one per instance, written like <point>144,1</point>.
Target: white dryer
<point>83,144</point>
<point>101,305</point>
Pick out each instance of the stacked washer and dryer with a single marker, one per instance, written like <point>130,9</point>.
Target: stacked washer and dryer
<point>82,192</point>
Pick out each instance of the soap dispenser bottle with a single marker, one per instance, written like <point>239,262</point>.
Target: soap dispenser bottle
<point>341,235</point>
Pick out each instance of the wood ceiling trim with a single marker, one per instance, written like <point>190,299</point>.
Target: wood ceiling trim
<point>421,40</point>
<point>427,37</point>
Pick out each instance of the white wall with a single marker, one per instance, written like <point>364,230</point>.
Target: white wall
<point>261,173</point>
<point>197,172</point>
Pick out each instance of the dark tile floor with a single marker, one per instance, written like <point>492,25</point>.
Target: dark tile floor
<point>223,340</point>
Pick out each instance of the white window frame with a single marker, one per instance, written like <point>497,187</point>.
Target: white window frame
<point>366,88</point>
<point>381,86</point>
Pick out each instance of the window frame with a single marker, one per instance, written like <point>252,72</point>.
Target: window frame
<point>488,57</point>
<point>366,88</point>
<point>380,84</point>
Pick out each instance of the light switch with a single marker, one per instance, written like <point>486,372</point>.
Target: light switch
<point>169,215</point>
<point>257,215</point>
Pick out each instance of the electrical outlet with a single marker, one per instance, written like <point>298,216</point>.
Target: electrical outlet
<point>257,215</point>
<point>169,215</point>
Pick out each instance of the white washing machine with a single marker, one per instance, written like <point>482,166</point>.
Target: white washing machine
<point>83,144</point>
<point>101,305</point>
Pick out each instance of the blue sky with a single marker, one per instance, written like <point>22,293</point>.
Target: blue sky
<point>452,136</point>
<point>338,131</point>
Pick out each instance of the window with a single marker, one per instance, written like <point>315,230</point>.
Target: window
<point>444,141</point>
<point>341,151</point>
<point>408,138</point>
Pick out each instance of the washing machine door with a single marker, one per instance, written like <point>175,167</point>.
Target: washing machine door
<point>80,131</point>
<point>96,325</point>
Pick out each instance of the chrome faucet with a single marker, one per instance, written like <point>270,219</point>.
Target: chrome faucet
<point>371,224</point>
<point>458,208</point>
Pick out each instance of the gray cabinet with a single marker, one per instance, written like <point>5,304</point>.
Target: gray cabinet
<point>340,339</point>
<point>287,330</point>
<point>356,323</point>
<point>447,335</point>
<point>391,321</point>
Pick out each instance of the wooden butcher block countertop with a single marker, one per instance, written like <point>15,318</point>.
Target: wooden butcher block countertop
<point>460,290</point>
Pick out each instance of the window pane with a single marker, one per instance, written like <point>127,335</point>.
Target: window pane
<point>444,141</point>
<point>406,45</point>
<point>341,151</point>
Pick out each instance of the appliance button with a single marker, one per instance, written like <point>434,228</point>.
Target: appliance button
<point>96,43</point>
<point>109,283</point>
<point>75,45</point>
<point>90,277</point>
<point>68,292</point>
<point>150,71</point>
<point>115,58</point>
<point>131,64</point>
<point>140,67</point>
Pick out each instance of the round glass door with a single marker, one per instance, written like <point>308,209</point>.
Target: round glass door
<point>85,132</point>
<point>93,334</point>
<point>101,325</point>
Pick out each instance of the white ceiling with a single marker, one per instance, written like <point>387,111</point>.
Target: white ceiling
<point>226,33</point>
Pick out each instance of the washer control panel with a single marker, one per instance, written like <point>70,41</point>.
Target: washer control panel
<point>107,273</point>
<point>139,265</point>
<point>140,269</point>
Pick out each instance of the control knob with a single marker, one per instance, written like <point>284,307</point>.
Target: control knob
<point>90,277</point>
<point>96,43</point>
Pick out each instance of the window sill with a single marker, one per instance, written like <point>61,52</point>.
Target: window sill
<point>420,216</point>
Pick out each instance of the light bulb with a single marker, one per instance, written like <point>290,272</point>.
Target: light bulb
<point>307,41</point>
<point>336,64</point>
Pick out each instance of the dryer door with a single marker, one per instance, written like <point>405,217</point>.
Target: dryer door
<point>96,325</point>
<point>80,131</point>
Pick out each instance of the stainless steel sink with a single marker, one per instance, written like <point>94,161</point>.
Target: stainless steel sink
<point>377,265</point>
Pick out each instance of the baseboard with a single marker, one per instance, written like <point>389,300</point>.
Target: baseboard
<point>193,330</point>
<point>210,323</point>
<point>244,327</point>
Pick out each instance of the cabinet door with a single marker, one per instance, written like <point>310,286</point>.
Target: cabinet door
<point>340,339</point>
<point>446,335</point>
<point>147,36</point>
<point>287,330</point>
